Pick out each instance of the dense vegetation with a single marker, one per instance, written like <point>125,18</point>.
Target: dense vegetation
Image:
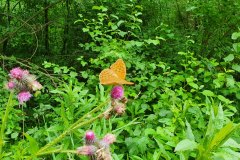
<point>182,56</point>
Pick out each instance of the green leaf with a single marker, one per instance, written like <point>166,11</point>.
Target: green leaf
<point>152,41</point>
<point>236,47</point>
<point>120,22</point>
<point>14,135</point>
<point>84,74</point>
<point>114,27</point>
<point>223,99</point>
<point>73,74</point>
<point>230,81</point>
<point>208,93</point>
<point>136,158</point>
<point>85,29</point>
<point>229,58</point>
<point>186,144</point>
<point>235,35</point>
<point>139,44</point>
<point>189,132</point>
<point>231,143</point>
<point>33,145</point>
<point>221,136</point>
<point>149,131</point>
<point>96,7</point>
<point>236,67</point>
<point>104,9</point>
<point>194,85</point>
<point>230,154</point>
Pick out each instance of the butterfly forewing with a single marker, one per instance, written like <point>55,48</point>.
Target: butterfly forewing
<point>119,68</point>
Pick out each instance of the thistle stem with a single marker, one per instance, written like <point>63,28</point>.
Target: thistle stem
<point>77,124</point>
<point>4,121</point>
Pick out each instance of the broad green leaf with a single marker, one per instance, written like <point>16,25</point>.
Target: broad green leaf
<point>223,99</point>
<point>236,67</point>
<point>120,22</point>
<point>114,27</point>
<point>208,93</point>
<point>194,85</point>
<point>96,7</point>
<point>229,58</point>
<point>152,41</point>
<point>85,29</point>
<point>122,34</point>
<point>230,81</point>
<point>191,8</point>
<point>235,35</point>
<point>236,47</point>
<point>14,135</point>
<point>186,144</point>
<point>149,131</point>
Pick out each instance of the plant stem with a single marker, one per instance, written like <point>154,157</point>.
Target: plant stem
<point>4,121</point>
<point>77,124</point>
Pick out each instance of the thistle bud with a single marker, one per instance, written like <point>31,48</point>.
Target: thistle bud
<point>90,137</point>
<point>117,92</point>
<point>11,85</point>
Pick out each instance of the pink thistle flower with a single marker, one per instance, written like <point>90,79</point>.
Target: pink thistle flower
<point>87,150</point>
<point>16,73</point>
<point>11,85</point>
<point>117,92</point>
<point>24,96</point>
<point>36,86</point>
<point>90,137</point>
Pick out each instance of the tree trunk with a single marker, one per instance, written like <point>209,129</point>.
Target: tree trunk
<point>66,30</point>
<point>46,20</point>
<point>5,43</point>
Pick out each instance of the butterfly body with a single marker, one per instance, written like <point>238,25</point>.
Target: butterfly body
<point>114,75</point>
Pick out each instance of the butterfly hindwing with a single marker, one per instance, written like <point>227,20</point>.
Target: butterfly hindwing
<point>107,76</point>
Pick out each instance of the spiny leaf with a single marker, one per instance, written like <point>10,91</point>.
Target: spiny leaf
<point>33,144</point>
<point>189,132</point>
<point>221,136</point>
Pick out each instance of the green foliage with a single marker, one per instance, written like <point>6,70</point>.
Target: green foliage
<point>182,57</point>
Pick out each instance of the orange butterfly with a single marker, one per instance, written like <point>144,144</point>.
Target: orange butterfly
<point>115,75</point>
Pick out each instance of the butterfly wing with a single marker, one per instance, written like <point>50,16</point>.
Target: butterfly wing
<point>119,68</point>
<point>115,75</point>
<point>109,77</point>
